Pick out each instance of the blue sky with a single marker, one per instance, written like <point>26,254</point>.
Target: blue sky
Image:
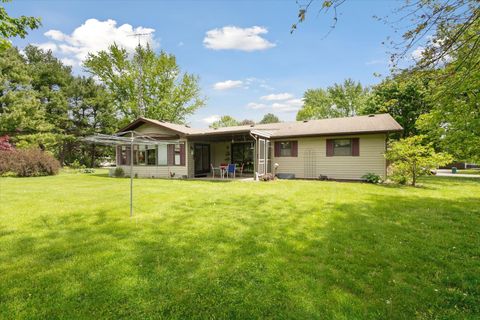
<point>247,60</point>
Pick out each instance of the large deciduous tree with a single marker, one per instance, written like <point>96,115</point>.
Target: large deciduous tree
<point>225,121</point>
<point>454,121</point>
<point>405,97</point>
<point>269,118</point>
<point>340,100</point>
<point>146,84</point>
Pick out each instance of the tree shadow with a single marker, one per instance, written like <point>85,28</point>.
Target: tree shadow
<point>379,257</point>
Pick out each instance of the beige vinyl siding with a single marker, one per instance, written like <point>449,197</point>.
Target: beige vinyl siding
<point>147,128</point>
<point>313,162</point>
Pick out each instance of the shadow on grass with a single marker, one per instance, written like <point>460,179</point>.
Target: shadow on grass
<point>395,257</point>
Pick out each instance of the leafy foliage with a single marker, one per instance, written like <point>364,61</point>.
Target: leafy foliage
<point>225,121</point>
<point>42,105</point>
<point>119,172</point>
<point>5,143</point>
<point>454,121</point>
<point>371,178</point>
<point>146,84</point>
<point>269,118</point>
<point>405,97</point>
<point>339,100</point>
<point>411,158</point>
<point>28,163</point>
<point>14,27</point>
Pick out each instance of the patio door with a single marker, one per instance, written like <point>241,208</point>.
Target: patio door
<point>264,156</point>
<point>201,156</point>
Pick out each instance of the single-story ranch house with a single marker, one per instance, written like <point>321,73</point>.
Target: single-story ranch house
<point>340,148</point>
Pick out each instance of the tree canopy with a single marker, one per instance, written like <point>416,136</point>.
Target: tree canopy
<point>340,100</point>
<point>225,121</point>
<point>146,84</point>
<point>269,118</point>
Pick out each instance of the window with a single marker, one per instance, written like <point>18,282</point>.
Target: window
<point>141,155</point>
<point>177,158</point>
<point>151,155</point>
<point>342,147</point>
<point>286,149</point>
<point>162,155</point>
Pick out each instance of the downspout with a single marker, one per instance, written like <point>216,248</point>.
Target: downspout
<point>255,156</point>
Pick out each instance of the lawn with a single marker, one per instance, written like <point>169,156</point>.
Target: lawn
<point>469,171</point>
<point>238,250</point>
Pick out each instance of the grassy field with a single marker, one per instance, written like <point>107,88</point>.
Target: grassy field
<point>238,250</point>
<point>469,171</point>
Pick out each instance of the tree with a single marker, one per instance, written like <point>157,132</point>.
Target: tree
<point>91,111</point>
<point>453,123</point>
<point>21,111</point>
<point>404,96</point>
<point>146,84</point>
<point>416,20</point>
<point>411,158</point>
<point>224,121</point>
<point>269,118</point>
<point>50,80</point>
<point>246,122</point>
<point>339,100</point>
<point>14,27</point>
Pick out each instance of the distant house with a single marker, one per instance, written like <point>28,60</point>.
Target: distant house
<point>340,148</point>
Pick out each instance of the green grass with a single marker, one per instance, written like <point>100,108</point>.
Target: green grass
<point>469,171</point>
<point>238,250</point>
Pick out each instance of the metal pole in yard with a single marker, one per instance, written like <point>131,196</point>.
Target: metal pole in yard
<point>131,175</point>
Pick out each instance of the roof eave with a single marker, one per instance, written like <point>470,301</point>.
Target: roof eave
<point>334,134</point>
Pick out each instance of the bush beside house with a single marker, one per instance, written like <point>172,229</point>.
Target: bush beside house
<point>25,162</point>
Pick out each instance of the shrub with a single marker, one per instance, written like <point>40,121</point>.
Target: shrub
<point>411,158</point>
<point>119,172</point>
<point>28,163</point>
<point>371,178</point>
<point>76,165</point>
<point>87,170</point>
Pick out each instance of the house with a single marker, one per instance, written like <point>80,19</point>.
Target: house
<point>339,148</point>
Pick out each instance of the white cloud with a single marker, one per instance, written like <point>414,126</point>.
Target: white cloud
<point>46,46</point>
<point>211,119</point>
<point>94,35</point>
<point>228,84</point>
<point>255,105</point>
<point>417,54</point>
<point>235,38</point>
<point>68,62</point>
<point>56,35</point>
<point>277,97</point>
<point>292,105</point>
<point>289,105</point>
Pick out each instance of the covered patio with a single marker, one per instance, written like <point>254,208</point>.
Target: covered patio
<point>237,155</point>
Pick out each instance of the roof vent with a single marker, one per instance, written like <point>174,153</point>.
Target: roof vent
<point>305,121</point>
<point>252,125</point>
<point>187,126</point>
<point>371,115</point>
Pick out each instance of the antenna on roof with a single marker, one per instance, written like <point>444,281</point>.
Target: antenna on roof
<point>141,105</point>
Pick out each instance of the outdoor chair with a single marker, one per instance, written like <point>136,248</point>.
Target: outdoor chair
<point>213,171</point>
<point>231,169</point>
<point>241,169</point>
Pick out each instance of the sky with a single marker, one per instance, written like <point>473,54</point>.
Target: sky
<point>248,62</point>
